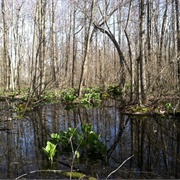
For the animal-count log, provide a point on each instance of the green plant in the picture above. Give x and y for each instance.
(91, 99)
(168, 106)
(114, 91)
(49, 97)
(68, 96)
(139, 109)
(127, 88)
(50, 150)
(82, 143)
(66, 137)
(90, 142)
(22, 108)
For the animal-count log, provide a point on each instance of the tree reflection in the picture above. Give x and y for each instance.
(153, 140)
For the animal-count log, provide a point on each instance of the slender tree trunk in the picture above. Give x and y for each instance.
(33, 71)
(42, 44)
(178, 40)
(68, 50)
(54, 44)
(162, 40)
(130, 52)
(149, 5)
(74, 48)
(5, 46)
(13, 46)
(18, 46)
(123, 62)
(142, 97)
(86, 51)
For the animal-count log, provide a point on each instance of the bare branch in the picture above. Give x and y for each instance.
(119, 166)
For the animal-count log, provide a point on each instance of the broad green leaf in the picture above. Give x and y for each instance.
(77, 154)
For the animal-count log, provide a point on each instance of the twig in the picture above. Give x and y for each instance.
(73, 152)
(119, 166)
(19, 177)
(35, 171)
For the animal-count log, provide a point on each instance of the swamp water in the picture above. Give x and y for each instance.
(153, 140)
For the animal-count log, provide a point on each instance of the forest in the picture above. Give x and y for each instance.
(91, 43)
(91, 79)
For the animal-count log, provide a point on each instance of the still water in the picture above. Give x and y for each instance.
(153, 140)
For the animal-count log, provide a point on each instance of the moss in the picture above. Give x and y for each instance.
(77, 175)
(139, 109)
(92, 178)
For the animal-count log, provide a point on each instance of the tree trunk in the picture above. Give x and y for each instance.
(38, 55)
(162, 40)
(178, 40)
(86, 51)
(123, 62)
(74, 49)
(54, 44)
(141, 93)
(5, 46)
(149, 6)
(130, 53)
(42, 45)
(68, 51)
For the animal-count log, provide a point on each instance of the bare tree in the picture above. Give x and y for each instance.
(130, 51)
(107, 30)
(161, 45)
(54, 53)
(39, 41)
(178, 38)
(95, 42)
(74, 47)
(149, 33)
(86, 49)
(140, 63)
(6, 48)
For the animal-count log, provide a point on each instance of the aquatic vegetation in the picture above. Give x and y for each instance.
(114, 91)
(46, 174)
(139, 109)
(69, 96)
(83, 143)
(77, 175)
(22, 108)
(127, 88)
(14, 95)
(49, 97)
(50, 150)
(90, 142)
(91, 99)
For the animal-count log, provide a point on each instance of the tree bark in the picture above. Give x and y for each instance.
(54, 44)
(5, 46)
(86, 51)
(74, 49)
(123, 62)
(162, 40)
(130, 52)
(38, 54)
(141, 80)
(178, 39)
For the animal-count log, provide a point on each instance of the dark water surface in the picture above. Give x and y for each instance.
(153, 140)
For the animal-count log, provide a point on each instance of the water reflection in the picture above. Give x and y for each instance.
(153, 140)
